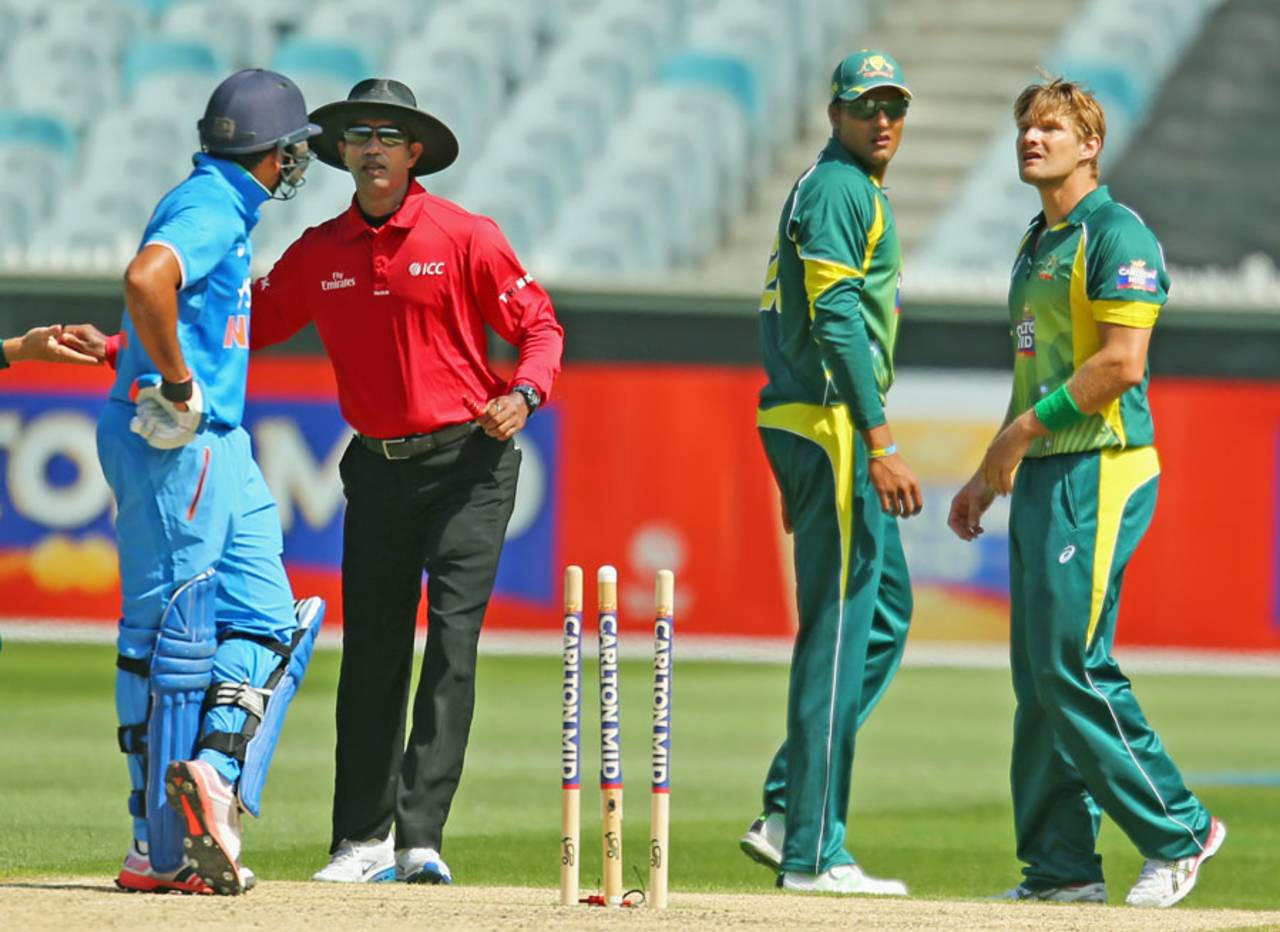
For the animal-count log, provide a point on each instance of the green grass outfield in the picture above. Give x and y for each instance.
(930, 802)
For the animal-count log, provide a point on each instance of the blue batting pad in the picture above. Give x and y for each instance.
(284, 685)
(181, 670)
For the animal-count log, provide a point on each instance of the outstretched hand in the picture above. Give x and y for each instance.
(45, 343)
(85, 340)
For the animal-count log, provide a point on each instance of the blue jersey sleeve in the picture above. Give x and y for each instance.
(200, 235)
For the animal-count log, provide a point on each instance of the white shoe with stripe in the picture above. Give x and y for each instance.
(1163, 883)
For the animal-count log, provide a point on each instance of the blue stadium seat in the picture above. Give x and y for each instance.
(37, 153)
(75, 81)
(148, 59)
(604, 232)
(375, 31)
(325, 70)
(737, 81)
(506, 29)
(107, 26)
(534, 185)
(723, 71)
(751, 32)
(582, 59)
(718, 130)
(153, 9)
(225, 27)
(38, 130)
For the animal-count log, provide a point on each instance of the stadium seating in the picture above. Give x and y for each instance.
(228, 29)
(1145, 37)
(1212, 129)
(169, 61)
(655, 120)
(324, 69)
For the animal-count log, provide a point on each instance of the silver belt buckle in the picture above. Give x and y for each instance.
(386, 450)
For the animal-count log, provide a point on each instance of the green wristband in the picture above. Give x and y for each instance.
(1058, 410)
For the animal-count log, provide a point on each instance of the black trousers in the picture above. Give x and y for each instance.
(445, 512)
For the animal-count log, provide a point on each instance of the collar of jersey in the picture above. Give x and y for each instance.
(251, 193)
(1080, 213)
(835, 150)
(406, 215)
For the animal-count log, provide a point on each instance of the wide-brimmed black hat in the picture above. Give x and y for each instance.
(384, 99)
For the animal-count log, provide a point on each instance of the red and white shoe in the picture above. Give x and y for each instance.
(137, 876)
(211, 818)
(1163, 883)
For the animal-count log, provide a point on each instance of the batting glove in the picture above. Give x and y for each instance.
(159, 422)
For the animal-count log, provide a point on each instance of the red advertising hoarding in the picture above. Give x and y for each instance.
(648, 467)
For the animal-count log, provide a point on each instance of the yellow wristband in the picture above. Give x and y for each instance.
(882, 452)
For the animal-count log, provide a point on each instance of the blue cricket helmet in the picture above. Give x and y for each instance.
(252, 111)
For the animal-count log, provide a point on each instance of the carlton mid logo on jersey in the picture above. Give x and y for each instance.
(1136, 277)
(1024, 334)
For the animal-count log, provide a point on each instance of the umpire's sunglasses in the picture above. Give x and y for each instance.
(865, 108)
(360, 135)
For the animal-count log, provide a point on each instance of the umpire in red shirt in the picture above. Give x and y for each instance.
(401, 286)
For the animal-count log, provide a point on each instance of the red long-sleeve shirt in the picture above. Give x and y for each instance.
(401, 310)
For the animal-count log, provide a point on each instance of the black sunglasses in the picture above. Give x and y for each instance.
(865, 108)
(387, 135)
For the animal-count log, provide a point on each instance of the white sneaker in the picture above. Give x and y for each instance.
(1067, 893)
(1163, 883)
(844, 878)
(422, 865)
(211, 818)
(370, 861)
(763, 841)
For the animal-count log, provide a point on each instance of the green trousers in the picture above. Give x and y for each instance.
(854, 604)
(1081, 745)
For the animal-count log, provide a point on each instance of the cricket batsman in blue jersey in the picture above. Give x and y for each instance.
(211, 643)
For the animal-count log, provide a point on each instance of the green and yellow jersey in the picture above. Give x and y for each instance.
(829, 312)
(1100, 265)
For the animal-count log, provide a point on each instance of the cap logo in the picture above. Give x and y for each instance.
(876, 67)
(223, 128)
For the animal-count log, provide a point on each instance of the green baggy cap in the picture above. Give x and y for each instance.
(864, 70)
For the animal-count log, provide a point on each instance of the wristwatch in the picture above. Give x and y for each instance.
(530, 395)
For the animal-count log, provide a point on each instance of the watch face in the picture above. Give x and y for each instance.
(530, 395)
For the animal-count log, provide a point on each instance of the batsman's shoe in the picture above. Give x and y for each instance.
(1163, 883)
(843, 878)
(1067, 893)
(138, 876)
(211, 823)
(422, 865)
(763, 841)
(370, 861)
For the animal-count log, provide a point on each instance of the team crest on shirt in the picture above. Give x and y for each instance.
(1024, 333)
(1136, 277)
(1048, 269)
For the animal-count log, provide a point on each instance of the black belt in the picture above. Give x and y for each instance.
(403, 448)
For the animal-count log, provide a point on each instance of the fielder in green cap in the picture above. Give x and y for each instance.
(1087, 286)
(828, 325)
